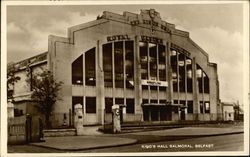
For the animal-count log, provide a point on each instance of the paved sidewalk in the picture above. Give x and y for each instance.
(83, 142)
(70, 143)
(193, 131)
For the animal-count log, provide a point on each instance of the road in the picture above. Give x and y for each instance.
(213, 143)
(232, 142)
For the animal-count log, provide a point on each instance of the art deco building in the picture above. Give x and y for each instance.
(154, 71)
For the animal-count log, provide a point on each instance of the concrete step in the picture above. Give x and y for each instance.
(59, 132)
(92, 130)
(146, 128)
(88, 130)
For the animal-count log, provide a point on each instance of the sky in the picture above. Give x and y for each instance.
(216, 28)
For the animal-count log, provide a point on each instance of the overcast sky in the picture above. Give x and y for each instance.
(217, 28)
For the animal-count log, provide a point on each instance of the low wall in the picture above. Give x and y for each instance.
(59, 132)
(17, 130)
(24, 129)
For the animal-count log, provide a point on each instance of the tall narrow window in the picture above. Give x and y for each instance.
(207, 107)
(118, 52)
(90, 67)
(206, 83)
(190, 107)
(129, 63)
(199, 77)
(130, 106)
(189, 74)
(174, 69)
(90, 105)
(181, 64)
(108, 105)
(107, 64)
(201, 107)
(77, 71)
(153, 61)
(162, 63)
(144, 60)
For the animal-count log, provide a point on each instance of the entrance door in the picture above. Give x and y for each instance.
(145, 113)
(155, 113)
(182, 113)
(165, 113)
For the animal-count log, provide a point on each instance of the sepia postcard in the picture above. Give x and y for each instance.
(124, 78)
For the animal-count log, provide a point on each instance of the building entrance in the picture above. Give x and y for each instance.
(157, 113)
(182, 113)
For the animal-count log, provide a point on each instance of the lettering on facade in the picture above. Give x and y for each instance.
(117, 38)
(151, 23)
(151, 39)
(154, 83)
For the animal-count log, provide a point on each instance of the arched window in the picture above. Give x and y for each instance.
(90, 67)
(77, 71)
(206, 83)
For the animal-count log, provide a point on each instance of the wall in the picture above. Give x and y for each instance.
(63, 51)
(228, 112)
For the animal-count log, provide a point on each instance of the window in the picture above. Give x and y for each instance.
(90, 67)
(189, 74)
(130, 106)
(77, 71)
(190, 107)
(173, 59)
(201, 107)
(144, 60)
(153, 87)
(107, 64)
(162, 62)
(118, 52)
(199, 77)
(183, 103)
(153, 101)
(90, 105)
(119, 101)
(153, 61)
(203, 80)
(144, 101)
(129, 63)
(163, 101)
(206, 83)
(108, 105)
(181, 64)
(76, 100)
(18, 112)
(207, 107)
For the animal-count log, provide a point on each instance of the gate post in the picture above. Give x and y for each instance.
(28, 128)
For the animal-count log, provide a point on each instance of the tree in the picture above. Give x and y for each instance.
(44, 92)
(11, 79)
